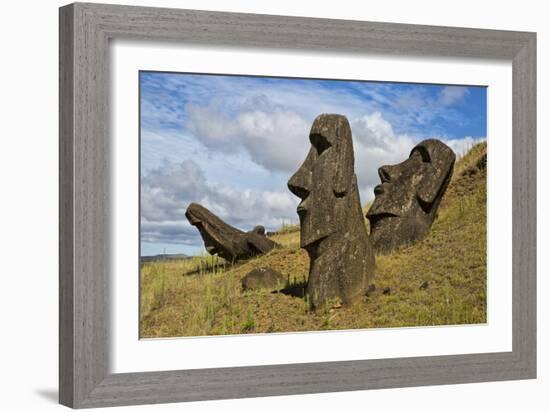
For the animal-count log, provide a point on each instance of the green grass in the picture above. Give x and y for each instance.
(203, 296)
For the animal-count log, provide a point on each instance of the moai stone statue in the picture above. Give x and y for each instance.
(225, 240)
(406, 201)
(332, 227)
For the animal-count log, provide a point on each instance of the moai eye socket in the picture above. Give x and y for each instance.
(421, 150)
(320, 142)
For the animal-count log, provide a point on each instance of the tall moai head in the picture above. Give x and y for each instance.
(332, 228)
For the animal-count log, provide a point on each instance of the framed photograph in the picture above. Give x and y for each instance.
(255, 205)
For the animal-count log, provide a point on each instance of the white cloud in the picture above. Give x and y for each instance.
(452, 94)
(273, 139)
(461, 146)
(373, 130)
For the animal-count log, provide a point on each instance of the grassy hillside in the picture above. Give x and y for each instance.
(438, 281)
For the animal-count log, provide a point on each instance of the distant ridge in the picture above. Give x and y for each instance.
(163, 257)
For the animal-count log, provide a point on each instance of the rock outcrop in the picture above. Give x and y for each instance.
(263, 278)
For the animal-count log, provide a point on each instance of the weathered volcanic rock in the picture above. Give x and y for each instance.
(263, 278)
(406, 201)
(332, 228)
(225, 240)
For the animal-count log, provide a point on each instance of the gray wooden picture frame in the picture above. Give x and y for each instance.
(85, 31)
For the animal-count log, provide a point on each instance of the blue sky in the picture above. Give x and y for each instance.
(231, 142)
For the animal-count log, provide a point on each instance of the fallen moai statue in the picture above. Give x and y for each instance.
(225, 240)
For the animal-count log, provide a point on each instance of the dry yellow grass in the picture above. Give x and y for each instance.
(438, 281)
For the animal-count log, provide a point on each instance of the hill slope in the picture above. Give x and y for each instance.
(438, 281)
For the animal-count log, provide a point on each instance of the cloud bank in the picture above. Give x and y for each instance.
(168, 190)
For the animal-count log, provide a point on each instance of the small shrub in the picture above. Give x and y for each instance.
(249, 323)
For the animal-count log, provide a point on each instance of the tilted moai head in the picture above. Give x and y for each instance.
(406, 201)
(332, 227)
(225, 240)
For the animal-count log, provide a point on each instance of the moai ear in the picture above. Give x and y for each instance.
(436, 177)
(343, 176)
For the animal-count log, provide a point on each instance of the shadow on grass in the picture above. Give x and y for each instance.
(296, 289)
(210, 269)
